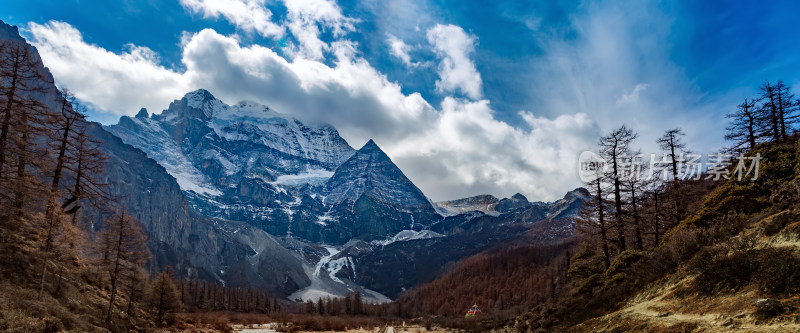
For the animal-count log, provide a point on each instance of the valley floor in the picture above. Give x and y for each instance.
(268, 328)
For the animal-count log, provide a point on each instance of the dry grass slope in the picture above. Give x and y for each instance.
(675, 305)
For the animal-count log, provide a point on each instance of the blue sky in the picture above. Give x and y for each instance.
(467, 97)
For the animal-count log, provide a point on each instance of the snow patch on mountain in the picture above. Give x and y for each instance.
(332, 251)
(334, 266)
(313, 176)
(230, 167)
(481, 203)
(407, 235)
(256, 123)
(158, 145)
(329, 285)
(325, 219)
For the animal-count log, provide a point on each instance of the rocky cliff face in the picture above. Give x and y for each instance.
(196, 246)
(231, 253)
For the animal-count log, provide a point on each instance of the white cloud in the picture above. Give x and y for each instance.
(399, 49)
(304, 19)
(249, 15)
(456, 71)
(457, 151)
(121, 82)
(466, 150)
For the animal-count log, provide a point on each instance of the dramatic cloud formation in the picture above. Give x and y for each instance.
(614, 67)
(248, 15)
(456, 71)
(304, 17)
(458, 150)
(109, 81)
(514, 91)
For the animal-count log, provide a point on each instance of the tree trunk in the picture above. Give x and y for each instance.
(603, 229)
(656, 226)
(116, 269)
(636, 220)
(618, 205)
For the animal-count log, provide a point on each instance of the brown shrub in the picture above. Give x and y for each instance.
(775, 271)
(786, 195)
(681, 246)
(682, 327)
(778, 272)
(722, 272)
(780, 221)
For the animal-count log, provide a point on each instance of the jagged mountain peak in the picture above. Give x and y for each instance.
(210, 146)
(516, 201)
(519, 196)
(142, 113)
(199, 104)
(10, 32)
(578, 193)
(198, 97)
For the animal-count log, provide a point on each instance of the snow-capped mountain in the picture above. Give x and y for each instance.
(246, 162)
(247, 197)
(208, 145)
(375, 175)
(371, 197)
(340, 209)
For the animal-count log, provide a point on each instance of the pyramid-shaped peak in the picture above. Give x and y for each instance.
(371, 171)
(370, 146)
(371, 151)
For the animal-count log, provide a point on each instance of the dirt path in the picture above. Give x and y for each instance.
(658, 310)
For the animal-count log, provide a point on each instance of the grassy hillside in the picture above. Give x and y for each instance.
(732, 264)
